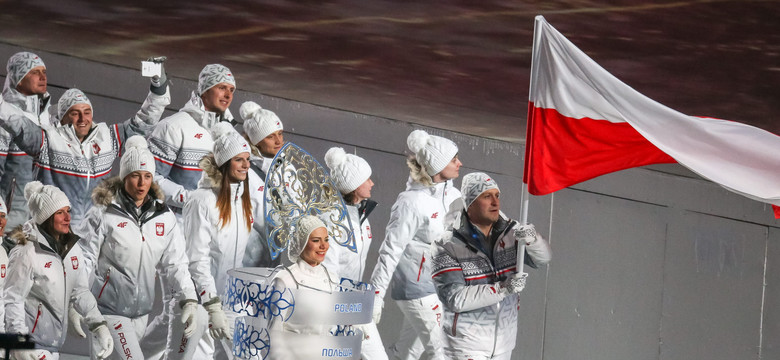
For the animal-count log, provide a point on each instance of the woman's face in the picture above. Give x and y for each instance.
(271, 144)
(316, 247)
(451, 171)
(3, 221)
(61, 222)
(363, 191)
(239, 166)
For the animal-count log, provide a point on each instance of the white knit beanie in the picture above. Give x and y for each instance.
(213, 74)
(19, 65)
(259, 122)
(44, 200)
(227, 142)
(3, 209)
(304, 227)
(70, 98)
(347, 171)
(136, 157)
(432, 152)
(474, 184)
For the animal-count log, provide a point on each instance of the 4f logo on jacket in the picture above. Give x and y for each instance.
(74, 260)
(198, 136)
(47, 265)
(160, 229)
(435, 215)
(122, 224)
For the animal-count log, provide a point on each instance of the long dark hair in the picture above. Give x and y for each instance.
(224, 201)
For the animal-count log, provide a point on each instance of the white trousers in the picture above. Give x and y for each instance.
(164, 336)
(421, 336)
(372, 348)
(126, 333)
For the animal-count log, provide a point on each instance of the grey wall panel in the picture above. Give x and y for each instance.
(770, 335)
(605, 280)
(713, 288)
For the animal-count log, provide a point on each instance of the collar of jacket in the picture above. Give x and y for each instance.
(111, 193)
(204, 118)
(468, 233)
(365, 208)
(33, 104)
(29, 231)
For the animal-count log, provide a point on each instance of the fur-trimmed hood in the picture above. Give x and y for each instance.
(18, 236)
(105, 192)
(29, 231)
(212, 177)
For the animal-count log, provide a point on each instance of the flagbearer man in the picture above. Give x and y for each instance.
(476, 277)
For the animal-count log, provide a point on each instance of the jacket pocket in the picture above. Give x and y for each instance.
(455, 323)
(37, 317)
(108, 276)
(421, 267)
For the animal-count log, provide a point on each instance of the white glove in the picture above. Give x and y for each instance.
(25, 354)
(188, 317)
(525, 234)
(75, 321)
(104, 340)
(514, 284)
(218, 327)
(379, 303)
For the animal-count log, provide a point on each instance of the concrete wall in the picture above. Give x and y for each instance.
(649, 263)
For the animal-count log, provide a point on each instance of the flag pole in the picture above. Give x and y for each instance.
(525, 194)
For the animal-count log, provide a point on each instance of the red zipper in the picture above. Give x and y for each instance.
(36, 318)
(420, 271)
(455, 323)
(108, 275)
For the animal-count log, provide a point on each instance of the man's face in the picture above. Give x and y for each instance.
(218, 98)
(271, 144)
(80, 115)
(137, 185)
(34, 83)
(485, 208)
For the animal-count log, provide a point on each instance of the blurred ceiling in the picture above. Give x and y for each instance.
(456, 65)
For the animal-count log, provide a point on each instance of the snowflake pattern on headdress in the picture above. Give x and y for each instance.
(298, 185)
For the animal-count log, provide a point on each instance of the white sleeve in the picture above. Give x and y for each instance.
(92, 237)
(199, 233)
(175, 263)
(404, 223)
(84, 302)
(17, 286)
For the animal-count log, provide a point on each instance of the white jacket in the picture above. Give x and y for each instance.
(129, 249)
(41, 285)
(417, 219)
(3, 273)
(344, 262)
(15, 164)
(480, 319)
(297, 276)
(77, 167)
(213, 249)
(178, 143)
(257, 253)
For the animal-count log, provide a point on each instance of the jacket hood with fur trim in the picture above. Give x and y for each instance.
(212, 177)
(105, 192)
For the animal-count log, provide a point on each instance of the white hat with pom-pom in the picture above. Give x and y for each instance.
(44, 200)
(259, 122)
(136, 157)
(431, 151)
(227, 142)
(347, 171)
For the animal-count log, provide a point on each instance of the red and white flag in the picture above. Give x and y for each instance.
(583, 122)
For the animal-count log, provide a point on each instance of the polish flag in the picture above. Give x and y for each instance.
(583, 122)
